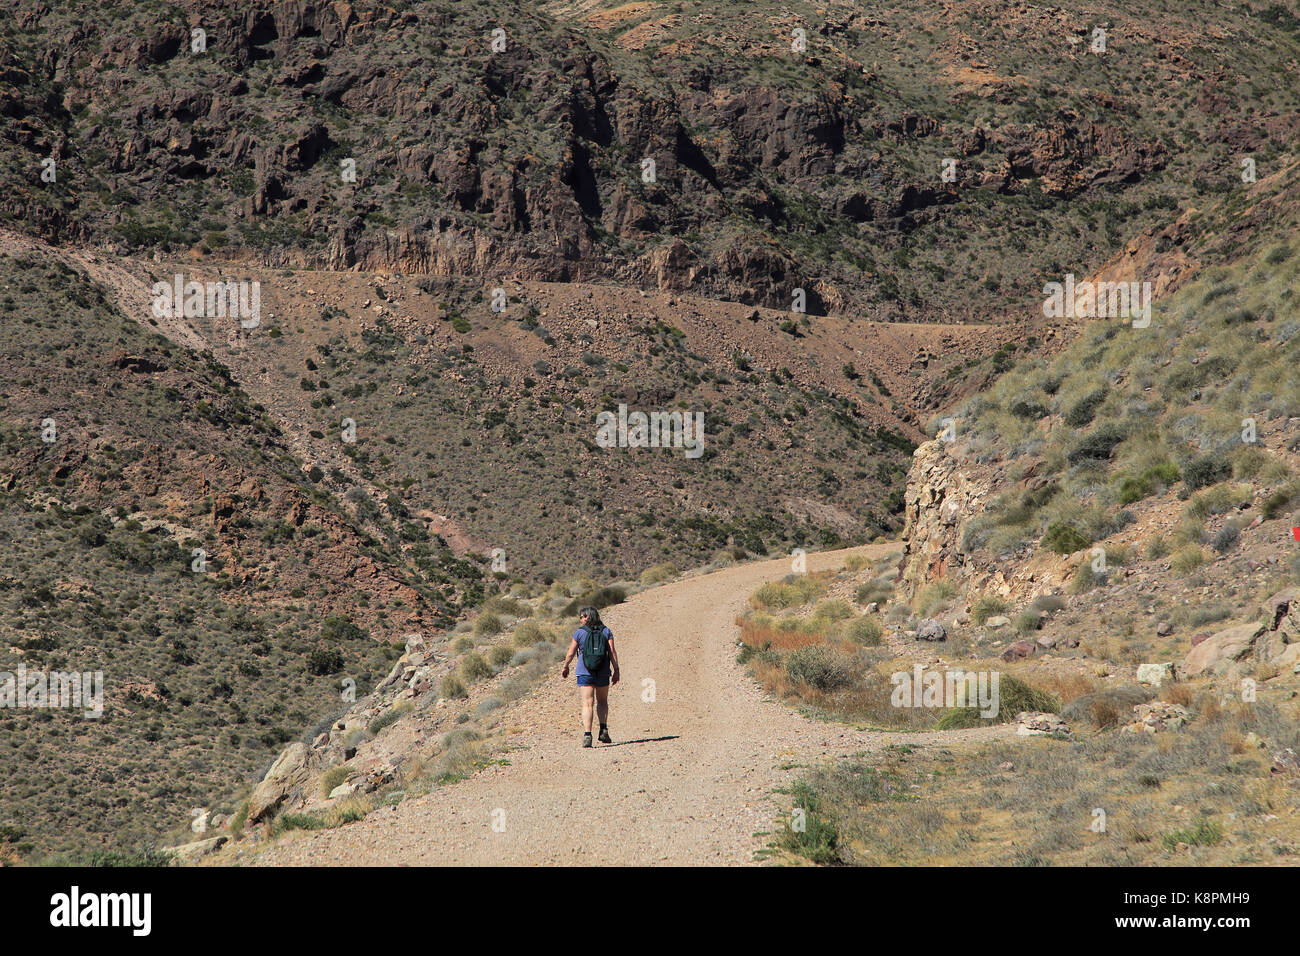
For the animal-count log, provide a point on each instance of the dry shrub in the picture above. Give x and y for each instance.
(1177, 693)
(761, 633)
(794, 591)
(1104, 713)
(1209, 709)
(1066, 687)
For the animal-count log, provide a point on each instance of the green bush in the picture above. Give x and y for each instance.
(1085, 579)
(1279, 501)
(867, 631)
(873, 592)
(324, 660)
(794, 591)
(1085, 409)
(500, 656)
(1158, 548)
(473, 666)
(1064, 539)
(1027, 622)
(818, 667)
(500, 604)
(451, 686)
(600, 598)
(487, 625)
(529, 633)
(1028, 410)
(1014, 696)
(1132, 489)
(659, 574)
(1205, 833)
(332, 777)
(833, 610)
(1187, 559)
(388, 717)
(934, 597)
(1205, 471)
(817, 838)
(1098, 446)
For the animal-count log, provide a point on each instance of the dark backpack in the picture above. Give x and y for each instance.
(595, 649)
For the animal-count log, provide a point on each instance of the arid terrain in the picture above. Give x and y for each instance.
(349, 350)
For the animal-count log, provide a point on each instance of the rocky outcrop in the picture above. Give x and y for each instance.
(940, 498)
(1280, 642)
(1275, 641)
(286, 777)
(192, 852)
(292, 782)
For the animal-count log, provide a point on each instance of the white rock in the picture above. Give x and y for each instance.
(1155, 673)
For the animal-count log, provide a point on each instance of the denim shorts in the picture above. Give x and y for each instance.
(598, 679)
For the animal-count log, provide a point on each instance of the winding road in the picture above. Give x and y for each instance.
(688, 780)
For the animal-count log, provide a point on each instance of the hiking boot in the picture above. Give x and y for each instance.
(586, 739)
(604, 736)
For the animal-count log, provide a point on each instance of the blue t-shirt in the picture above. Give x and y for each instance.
(578, 635)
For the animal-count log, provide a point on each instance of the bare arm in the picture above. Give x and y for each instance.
(613, 656)
(568, 658)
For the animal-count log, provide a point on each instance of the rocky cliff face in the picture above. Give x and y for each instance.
(946, 489)
(937, 504)
(772, 171)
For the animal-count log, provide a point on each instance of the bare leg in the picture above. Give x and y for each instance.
(588, 695)
(602, 706)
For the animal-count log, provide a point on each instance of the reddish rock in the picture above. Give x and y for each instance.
(1017, 650)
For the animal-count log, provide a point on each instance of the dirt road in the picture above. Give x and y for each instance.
(688, 780)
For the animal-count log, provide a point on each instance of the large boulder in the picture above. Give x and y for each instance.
(288, 774)
(1218, 653)
(931, 630)
(190, 852)
(1155, 673)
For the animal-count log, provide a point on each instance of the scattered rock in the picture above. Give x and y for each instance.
(997, 621)
(1164, 628)
(1157, 715)
(1036, 724)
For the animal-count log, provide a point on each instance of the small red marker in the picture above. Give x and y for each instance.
(1295, 533)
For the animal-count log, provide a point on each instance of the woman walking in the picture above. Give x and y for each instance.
(593, 645)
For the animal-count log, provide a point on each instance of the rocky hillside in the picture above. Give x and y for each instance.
(1143, 478)
(931, 161)
(159, 529)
